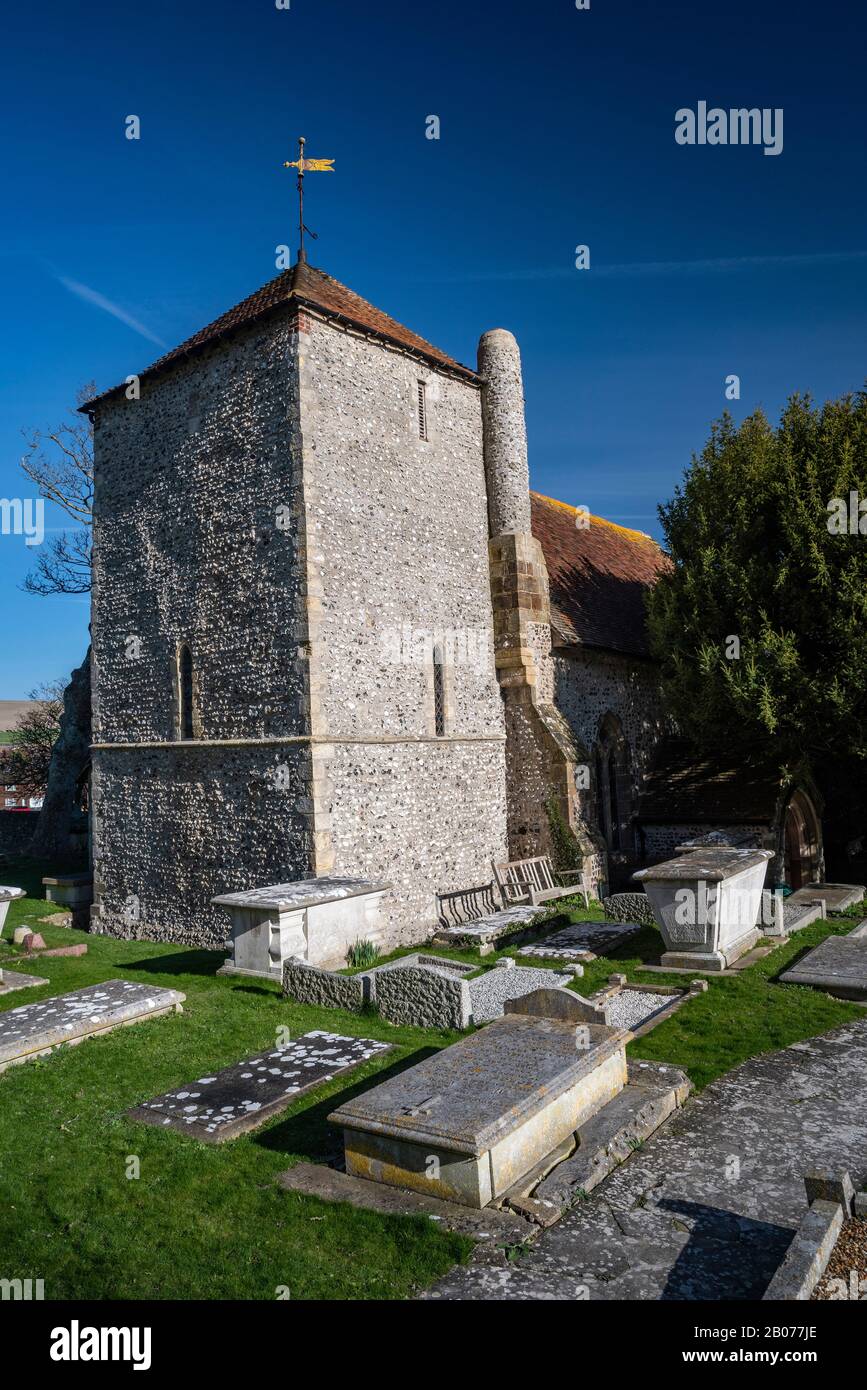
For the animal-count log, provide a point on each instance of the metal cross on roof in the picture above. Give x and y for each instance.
(304, 166)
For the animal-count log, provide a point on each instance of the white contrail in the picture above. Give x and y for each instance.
(94, 297)
(660, 268)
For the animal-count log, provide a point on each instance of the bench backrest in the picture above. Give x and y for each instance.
(463, 905)
(519, 877)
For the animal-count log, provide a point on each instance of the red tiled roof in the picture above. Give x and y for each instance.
(599, 576)
(305, 286)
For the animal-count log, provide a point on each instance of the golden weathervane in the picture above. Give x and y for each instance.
(305, 166)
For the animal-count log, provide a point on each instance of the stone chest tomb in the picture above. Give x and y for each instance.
(469, 1122)
(316, 920)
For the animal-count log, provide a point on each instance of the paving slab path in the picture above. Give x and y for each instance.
(708, 1207)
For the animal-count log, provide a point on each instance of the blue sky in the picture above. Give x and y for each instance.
(557, 129)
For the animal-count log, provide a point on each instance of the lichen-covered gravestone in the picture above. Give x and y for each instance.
(32, 1030)
(469, 1122)
(222, 1105)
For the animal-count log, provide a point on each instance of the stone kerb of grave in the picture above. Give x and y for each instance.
(421, 990)
(556, 1002)
(838, 966)
(471, 1121)
(706, 904)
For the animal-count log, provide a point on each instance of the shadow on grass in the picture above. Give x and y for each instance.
(647, 946)
(309, 1135)
(186, 963)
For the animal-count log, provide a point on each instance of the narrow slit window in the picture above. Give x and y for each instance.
(439, 694)
(612, 801)
(422, 410)
(186, 693)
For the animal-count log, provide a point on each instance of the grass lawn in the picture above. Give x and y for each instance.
(208, 1221)
(202, 1221)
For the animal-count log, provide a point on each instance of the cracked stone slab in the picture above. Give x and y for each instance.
(491, 927)
(836, 896)
(708, 1207)
(837, 965)
(480, 1224)
(32, 1030)
(598, 937)
(222, 1105)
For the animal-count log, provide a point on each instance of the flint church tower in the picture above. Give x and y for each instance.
(293, 632)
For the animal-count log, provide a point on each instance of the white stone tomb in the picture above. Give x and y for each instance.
(706, 904)
(314, 919)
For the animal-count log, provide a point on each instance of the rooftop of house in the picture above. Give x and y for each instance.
(306, 287)
(599, 574)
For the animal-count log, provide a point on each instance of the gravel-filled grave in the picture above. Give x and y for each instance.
(629, 1008)
(490, 991)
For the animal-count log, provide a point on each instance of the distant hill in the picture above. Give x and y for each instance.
(10, 712)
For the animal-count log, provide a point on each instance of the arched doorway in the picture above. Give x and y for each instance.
(800, 842)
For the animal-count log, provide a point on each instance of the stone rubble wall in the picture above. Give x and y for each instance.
(661, 841)
(177, 825)
(591, 684)
(17, 829)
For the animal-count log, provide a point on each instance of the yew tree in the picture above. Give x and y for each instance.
(761, 623)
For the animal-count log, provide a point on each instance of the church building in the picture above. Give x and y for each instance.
(334, 632)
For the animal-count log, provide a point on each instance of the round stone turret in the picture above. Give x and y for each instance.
(504, 433)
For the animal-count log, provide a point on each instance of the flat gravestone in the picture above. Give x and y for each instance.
(222, 1106)
(492, 927)
(15, 979)
(470, 1121)
(837, 965)
(32, 1030)
(598, 937)
(836, 896)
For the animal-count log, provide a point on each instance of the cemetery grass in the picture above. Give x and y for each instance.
(201, 1221)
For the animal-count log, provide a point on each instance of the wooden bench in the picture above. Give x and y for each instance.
(535, 881)
(464, 905)
(476, 916)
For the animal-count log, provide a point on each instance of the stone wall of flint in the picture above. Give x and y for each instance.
(270, 504)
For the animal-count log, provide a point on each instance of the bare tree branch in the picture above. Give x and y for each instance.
(60, 464)
(27, 758)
